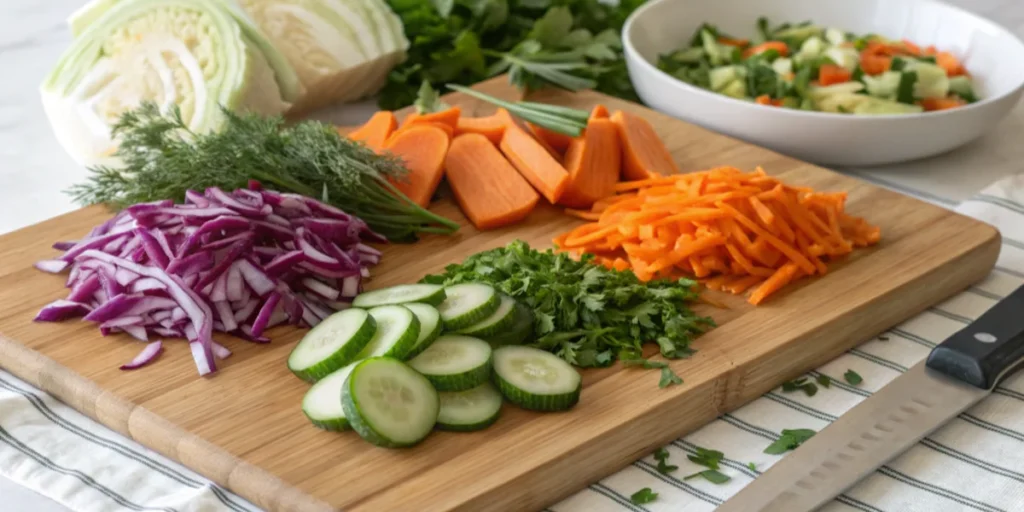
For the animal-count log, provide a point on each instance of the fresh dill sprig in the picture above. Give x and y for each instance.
(160, 158)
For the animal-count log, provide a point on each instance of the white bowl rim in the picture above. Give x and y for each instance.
(627, 44)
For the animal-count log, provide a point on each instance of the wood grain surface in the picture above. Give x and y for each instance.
(244, 429)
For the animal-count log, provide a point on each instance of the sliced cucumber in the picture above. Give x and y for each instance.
(432, 294)
(536, 379)
(499, 321)
(322, 403)
(430, 327)
(455, 363)
(467, 304)
(389, 404)
(472, 409)
(333, 343)
(397, 332)
(518, 332)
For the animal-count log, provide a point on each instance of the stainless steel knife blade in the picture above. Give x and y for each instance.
(958, 373)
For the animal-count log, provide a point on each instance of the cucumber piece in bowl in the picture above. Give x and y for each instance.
(333, 343)
(535, 379)
(322, 403)
(469, 410)
(432, 294)
(397, 332)
(430, 327)
(467, 304)
(388, 403)
(455, 363)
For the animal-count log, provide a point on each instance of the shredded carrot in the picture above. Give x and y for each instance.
(739, 43)
(737, 231)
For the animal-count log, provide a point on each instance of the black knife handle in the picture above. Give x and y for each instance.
(988, 349)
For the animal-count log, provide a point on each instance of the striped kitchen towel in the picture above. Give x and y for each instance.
(976, 462)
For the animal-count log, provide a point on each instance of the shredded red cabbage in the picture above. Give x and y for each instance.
(238, 263)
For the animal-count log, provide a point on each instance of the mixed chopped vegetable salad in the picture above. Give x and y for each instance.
(811, 67)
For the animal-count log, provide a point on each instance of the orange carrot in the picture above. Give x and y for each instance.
(932, 104)
(440, 126)
(740, 43)
(950, 63)
(593, 161)
(739, 230)
(644, 153)
(423, 147)
(376, 130)
(487, 187)
(599, 112)
(449, 116)
(535, 163)
(492, 126)
(780, 278)
(831, 74)
(557, 141)
(763, 99)
(778, 46)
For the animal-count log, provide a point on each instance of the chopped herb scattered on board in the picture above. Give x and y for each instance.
(801, 384)
(585, 313)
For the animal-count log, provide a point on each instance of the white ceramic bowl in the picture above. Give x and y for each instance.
(993, 56)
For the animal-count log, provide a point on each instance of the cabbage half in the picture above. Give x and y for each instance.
(342, 50)
(196, 54)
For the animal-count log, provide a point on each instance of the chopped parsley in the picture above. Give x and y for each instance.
(585, 313)
(668, 377)
(801, 384)
(853, 377)
(710, 459)
(661, 455)
(824, 381)
(645, 495)
(789, 440)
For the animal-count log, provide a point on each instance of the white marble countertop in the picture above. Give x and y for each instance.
(34, 170)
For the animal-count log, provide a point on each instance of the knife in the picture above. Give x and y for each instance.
(958, 373)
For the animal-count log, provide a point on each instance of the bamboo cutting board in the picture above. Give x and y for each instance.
(244, 429)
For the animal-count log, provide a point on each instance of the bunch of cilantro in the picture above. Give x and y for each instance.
(572, 44)
(585, 313)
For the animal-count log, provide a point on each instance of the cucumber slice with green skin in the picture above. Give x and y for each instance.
(498, 322)
(388, 403)
(536, 379)
(467, 304)
(432, 294)
(518, 332)
(397, 332)
(430, 327)
(469, 410)
(322, 403)
(455, 363)
(332, 344)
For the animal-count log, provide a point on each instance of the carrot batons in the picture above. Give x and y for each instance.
(593, 161)
(423, 148)
(599, 112)
(738, 230)
(376, 130)
(559, 142)
(449, 116)
(644, 153)
(487, 187)
(492, 126)
(535, 163)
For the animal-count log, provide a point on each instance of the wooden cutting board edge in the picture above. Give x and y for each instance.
(554, 479)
